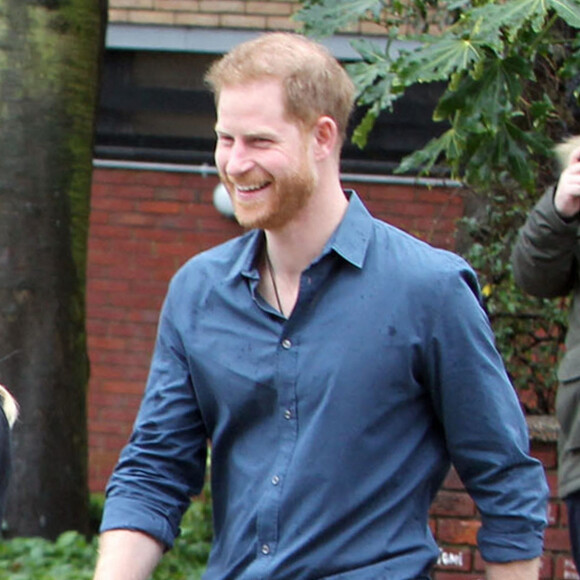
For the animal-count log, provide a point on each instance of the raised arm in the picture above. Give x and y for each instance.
(544, 256)
(567, 198)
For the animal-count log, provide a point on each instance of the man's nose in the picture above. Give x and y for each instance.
(239, 160)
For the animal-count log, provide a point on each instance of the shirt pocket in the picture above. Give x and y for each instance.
(568, 400)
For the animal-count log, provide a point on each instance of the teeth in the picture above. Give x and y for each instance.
(249, 188)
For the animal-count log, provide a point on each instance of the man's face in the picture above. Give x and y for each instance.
(263, 158)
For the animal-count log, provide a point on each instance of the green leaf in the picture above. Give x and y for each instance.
(510, 16)
(439, 60)
(361, 133)
(489, 96)
(449, 145)
(323, 18)
(568, 10)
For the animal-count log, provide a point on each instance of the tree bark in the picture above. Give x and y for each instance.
(50, 52)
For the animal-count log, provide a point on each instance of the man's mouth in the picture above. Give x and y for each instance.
(251, 188)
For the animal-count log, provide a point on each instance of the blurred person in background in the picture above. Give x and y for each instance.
(546, 263)
(8, 415)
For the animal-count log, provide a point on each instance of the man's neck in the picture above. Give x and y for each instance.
(293, 248)
(290, 250)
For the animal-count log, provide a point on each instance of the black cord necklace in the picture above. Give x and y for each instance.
(274, 285)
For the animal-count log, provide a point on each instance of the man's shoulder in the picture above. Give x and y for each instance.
(413, 253)
(217, 262)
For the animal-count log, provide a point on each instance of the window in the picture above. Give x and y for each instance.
(154, 107)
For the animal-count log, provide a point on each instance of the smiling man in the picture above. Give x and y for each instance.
(337, 366)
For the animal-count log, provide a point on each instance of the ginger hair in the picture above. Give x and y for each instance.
(314, 82)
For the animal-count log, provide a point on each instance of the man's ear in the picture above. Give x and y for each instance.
(326, 138)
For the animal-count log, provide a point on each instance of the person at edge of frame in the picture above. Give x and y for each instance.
(8, 416)
(337, 365)
(545, 264)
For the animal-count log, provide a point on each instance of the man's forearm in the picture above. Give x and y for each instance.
(127, 555)
(521, 570)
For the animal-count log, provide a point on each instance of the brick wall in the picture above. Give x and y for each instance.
(249, 14)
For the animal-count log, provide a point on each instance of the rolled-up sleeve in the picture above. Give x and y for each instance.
(163, 465)
(484, 426)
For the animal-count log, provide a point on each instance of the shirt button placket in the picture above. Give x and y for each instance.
(268, 531)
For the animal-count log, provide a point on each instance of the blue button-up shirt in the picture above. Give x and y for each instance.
(332, 430)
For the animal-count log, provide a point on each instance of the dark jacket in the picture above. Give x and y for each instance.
(545, 260)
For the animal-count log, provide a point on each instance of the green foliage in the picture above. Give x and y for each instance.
(529, 331)
(506, 66)
(512, 75)
(69, 557)
(72, 556)
(187, 559)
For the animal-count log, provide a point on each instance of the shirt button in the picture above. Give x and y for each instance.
(276, 480)
(265, 549)
(288, 414)
(286, 343)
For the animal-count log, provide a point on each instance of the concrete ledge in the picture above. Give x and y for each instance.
(543, 428)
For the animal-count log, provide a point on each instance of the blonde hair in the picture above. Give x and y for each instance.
(563, 151)
(314, 82)
(9, 406)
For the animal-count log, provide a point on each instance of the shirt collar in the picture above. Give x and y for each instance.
(350, 240)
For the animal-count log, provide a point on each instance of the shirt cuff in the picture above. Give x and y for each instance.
(501, 548)
(122, 513)
(558, 222)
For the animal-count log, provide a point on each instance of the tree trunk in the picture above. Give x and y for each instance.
(50, 53)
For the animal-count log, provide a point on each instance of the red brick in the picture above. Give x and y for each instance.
(439, 196)
(565, 569)
(160, 207)
(546, 453)
(553, 513)
(557, 539)
(452, 481)
(136, 192)
(563, 513)
(546, 567)
(106, 342)
(125, 386)
(125, 219)
(117, 176)
(106, 231)
(109, 286)
(458, 531)
(455, 503)
(99, 217)
(552, 479)
(112, 204)
(158, 178)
